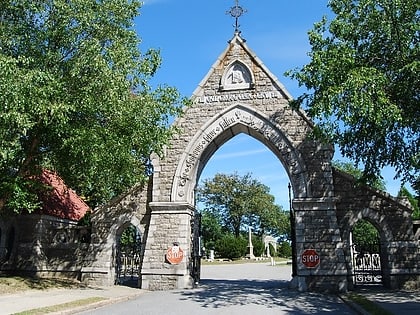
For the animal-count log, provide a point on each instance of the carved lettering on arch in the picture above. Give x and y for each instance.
(223, 123)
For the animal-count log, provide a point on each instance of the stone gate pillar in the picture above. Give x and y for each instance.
(170, 223)
(317, 229)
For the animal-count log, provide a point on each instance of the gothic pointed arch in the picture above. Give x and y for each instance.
(236, 119)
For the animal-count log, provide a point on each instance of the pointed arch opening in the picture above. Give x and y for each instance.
(128, 255)
(245, 155)
(233, 121)
(365, 240)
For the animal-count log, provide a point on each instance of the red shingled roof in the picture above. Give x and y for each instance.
(61, 201)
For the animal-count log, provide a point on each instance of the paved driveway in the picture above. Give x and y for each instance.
(255, 288)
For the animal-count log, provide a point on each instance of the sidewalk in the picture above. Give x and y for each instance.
(32, 299)
(396, 302)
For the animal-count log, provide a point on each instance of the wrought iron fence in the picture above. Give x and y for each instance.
(366, 267)
(3, 254)
(128, 268)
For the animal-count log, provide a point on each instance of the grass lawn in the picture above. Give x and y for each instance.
(15, 284)
(369, 306)
(61, 307)
(221, 261)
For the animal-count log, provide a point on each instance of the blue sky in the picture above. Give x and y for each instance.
(191, 34)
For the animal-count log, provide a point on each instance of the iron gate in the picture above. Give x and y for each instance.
(128, 262)
(196, 247)
(366, 264)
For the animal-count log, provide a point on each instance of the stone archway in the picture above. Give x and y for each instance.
(108, 222)
(399, 249)
(256, 104)
(240, 95)
(221, 128)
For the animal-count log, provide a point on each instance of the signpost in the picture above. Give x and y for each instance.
(310, 258)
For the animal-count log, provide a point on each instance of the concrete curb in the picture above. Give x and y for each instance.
(95, 305)
(355, 307)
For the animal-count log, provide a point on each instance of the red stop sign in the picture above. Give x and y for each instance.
(310, 258)
(174, 255)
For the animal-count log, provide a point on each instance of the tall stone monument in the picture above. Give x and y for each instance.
(250, 254)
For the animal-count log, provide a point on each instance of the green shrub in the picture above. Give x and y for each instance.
(231, 247)
(273, 252)
(258, 246)
(284, 249)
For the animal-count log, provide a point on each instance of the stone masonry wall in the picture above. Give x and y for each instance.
(400, 253)
(317, 228)
(130, 208)
(170, 224)
(45, 246)
(266, 97)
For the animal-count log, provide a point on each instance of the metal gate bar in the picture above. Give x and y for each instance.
(366, 267)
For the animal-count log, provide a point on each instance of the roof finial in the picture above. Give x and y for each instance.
(236, 12)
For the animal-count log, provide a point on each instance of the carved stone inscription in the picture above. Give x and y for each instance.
(237, 76)
(208, 99)
(236, 116)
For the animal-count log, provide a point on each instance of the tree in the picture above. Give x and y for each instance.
(349, 168)
(241, 201)
(413, 201)
(363, 83)
(130, 240)
(231, 247)
(75, 99)
(366, 237)
(211, 229)
(285, 249)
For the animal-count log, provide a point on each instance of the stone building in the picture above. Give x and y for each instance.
(48, 242)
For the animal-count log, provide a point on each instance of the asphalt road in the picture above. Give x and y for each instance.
(254, 288)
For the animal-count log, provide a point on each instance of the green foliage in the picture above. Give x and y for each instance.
(241, 201)
(284, 249)
(130, 241)
(75, 98)
(364, 83)
(349, 168)
(365, 237)
(258, 245)
(413, 201)
(232, 205)
(231, 247)
(273, 252)
(86, 220)
(211, 229)
(21, 192)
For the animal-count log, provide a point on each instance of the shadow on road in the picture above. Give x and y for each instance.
(272, 294)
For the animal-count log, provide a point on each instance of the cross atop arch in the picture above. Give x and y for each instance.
(236, 12)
